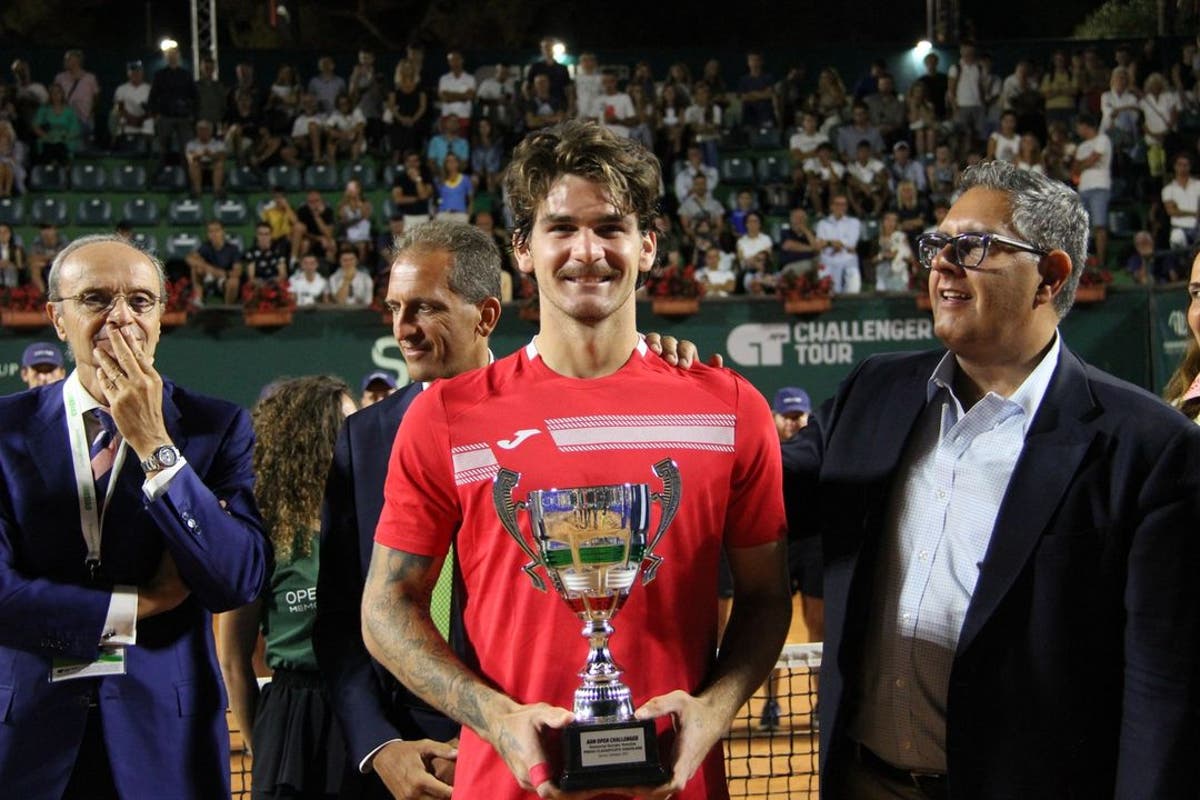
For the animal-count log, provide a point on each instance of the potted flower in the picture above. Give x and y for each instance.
(674, 291)
(177, 304)
(23, 308)
(529, 309)
(267, 305)
(805, 293)
(1093, 285)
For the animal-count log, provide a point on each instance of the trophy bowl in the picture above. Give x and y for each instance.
(591, 543)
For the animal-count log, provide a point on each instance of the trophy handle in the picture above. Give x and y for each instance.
(668, 498)
(506, 509)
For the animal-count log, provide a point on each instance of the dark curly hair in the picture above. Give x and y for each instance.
(629, 171)
(296, 425)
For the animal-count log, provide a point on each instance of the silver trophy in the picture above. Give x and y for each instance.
(591, 542)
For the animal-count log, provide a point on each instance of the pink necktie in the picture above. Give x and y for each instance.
(103, 451)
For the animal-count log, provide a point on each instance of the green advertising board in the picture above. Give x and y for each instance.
(1136, 334)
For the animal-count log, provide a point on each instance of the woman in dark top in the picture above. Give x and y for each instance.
(406, 111)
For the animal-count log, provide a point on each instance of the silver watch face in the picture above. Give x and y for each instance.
(166, 455)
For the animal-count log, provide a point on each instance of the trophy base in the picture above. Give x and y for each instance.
(601, 756)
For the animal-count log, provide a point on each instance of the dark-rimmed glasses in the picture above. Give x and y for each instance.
(99, 302)
(967, 250)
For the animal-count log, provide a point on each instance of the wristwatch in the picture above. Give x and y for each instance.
(164, 456)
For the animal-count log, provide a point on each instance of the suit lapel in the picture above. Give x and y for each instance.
(48, 427)
(371, 465)
(1055, 446)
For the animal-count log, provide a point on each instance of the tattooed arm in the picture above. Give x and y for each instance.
(400, 634)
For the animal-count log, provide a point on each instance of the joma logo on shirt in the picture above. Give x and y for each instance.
(520, 436)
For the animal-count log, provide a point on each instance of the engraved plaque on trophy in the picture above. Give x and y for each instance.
(592, 544)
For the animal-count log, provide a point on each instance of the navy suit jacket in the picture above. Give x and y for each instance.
(372, 706)
(1075, 674)
(164, 720)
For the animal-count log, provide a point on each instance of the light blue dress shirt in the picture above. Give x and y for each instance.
(943, 508)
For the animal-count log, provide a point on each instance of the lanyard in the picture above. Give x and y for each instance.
(91, 520)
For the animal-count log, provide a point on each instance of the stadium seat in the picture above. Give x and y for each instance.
(171, 178)
(180, 244)
(774, 169)
(231, 212)
(185, 211)
(140, 211)
(870, 230)
(284, 176)
(236, 240)
(48, 209)
(132, 145)
(363, 173)
(88, 178)
(736, 170)
(321, 177)
(94, 211)
(775, 226)
(764, 139)
(47, 178)
(389, 175)
(244, 178)
(12, 212)
(146, 242)
(129, 178)
(1120, 222)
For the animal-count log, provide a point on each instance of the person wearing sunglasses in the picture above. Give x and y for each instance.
(1011, 603)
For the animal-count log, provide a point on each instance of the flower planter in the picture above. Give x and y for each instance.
(1092, 293)
(807, 305)
(24, 320)
(173, 319)
(923, 302)
(529, 313)
(675, 306)
(270, 318)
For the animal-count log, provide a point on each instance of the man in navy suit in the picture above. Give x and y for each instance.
(1011, 540)
(126, 519)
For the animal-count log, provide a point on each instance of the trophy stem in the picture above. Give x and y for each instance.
(602, 697)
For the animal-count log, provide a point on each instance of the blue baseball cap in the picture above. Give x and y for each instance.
(41, 354)
(381, 376)
(791, 399)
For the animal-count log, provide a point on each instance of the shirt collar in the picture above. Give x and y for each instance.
(73, 388)
(1029, 394)
(531, 351)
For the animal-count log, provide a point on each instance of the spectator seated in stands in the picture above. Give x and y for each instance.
(903, 167)
(912, 210)
(216, 267)
(718, 279)
(1147, 265)
(130, 118)
(412, 188)
(1029, 157)
(757, 92)
(12, 258)
(744, 205)
(797, 244)
(942, 175)
(823, 177)
(1003, 144)
(206, 160)
(693, 166)
(859, 129)
(922, 119)
(1181, 201)
(886, 111)
(286, 230)
(307, 284)
(308, 129)
(317, 231)
(350, 285)
(542, 108)
(497, 95)
(326, 85)
(613, 108)
(866, 182)
(754, 241)
(1120, 112)
(703, 120)
(58, 135)
(487, 156)
(895, 265)
(448, 140)
(838, 235)
(699, 203)
(345, 131)
(42, 251)
(13, 157)
(265, 261)
(354, 213)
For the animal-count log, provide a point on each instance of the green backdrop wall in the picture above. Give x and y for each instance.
(1136, 334)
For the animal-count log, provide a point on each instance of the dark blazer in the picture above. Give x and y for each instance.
(1076, 670)
(164, 720)
(371, 705)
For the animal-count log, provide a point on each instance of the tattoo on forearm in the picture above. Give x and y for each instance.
(410, 646)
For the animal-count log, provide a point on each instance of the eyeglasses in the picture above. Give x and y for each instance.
(100, 302)
(968, 249)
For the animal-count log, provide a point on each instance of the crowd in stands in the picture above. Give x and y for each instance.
(796, 174)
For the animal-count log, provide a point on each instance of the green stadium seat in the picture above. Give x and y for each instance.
(870, 230)
(774, 169)
(88, 178)
(286, 177)
(363, 173)
(94, 211)
(321, 177)
(129, 178)
(389, 175)
(1121, 222)
(231, 212)
(47, 178)
(244, 178)
(146, 242)
(12, 211)
(736, 170)
(236, 240)
(185, 211)
(48, 209)
(180, 244)
(764, 139)
(140, 211)
(775, 226)
(171, 178)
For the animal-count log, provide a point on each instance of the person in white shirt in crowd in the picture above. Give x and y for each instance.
(1120, 110)
(1093, 163)
(964, 96)
(308, 129)
(130, 113)
(823, 177)
(1181, 201)
(804, 142)
(325, 86)
(904, 168)
(307, 284)
(350, 285)
(345, 130)
(206, 155)
(753, 241)
(692, 167)
(894, 260)
(1160, 117)
(1029, 157)
(496, 97)
(716, 276)
(1005, 143)
(838, 235)
(589, 84)
(456, 90)
(866, 182)
(699, 203)
(613, 108)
